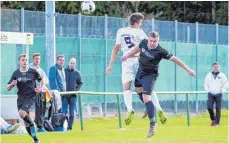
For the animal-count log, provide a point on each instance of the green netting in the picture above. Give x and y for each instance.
(206, 56)
(93, 65)
(186, 52)
(8, 64)
(223, 60)
(166, 81)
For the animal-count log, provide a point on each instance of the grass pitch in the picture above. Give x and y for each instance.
(99, 130)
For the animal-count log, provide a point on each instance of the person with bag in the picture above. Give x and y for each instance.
(57, 82)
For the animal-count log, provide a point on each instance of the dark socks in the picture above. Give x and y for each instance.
(28, 120)
(29, 131)
(140, 96)
(150, 108)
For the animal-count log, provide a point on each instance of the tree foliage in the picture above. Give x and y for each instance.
(210, 12)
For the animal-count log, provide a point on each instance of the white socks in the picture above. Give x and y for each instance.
(128, 99)
(155, 101)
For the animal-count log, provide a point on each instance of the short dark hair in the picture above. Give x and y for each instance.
(135, 18)
(154, 34)
(215, 63)
(36, 54)
(59, 56)
(22, 55)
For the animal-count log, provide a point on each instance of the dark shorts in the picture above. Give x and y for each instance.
(146, 81)
(217, 99)
(25, 104)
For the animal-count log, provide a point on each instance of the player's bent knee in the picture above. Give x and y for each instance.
(146, 98)
(22, 113)
(138, 89)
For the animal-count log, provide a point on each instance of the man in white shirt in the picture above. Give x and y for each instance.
(40, 105)
(215, 84)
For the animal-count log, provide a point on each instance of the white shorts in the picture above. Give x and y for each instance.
(129, 70)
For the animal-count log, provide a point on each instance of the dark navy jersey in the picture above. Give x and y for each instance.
(150, 58)
(26, 82)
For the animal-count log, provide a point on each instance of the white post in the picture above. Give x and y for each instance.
(197, 42)
(175, 68)
(217, 39)
(50, 34)
(105, 65)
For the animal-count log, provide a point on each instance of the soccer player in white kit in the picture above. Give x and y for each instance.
(127, 39)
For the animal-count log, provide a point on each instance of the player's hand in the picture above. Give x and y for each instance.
(37, 90)
(191, 72)
(14, 82)
(123, 58)
(108, 70)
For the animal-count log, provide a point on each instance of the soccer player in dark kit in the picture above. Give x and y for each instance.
(151, 54)
(25, 78)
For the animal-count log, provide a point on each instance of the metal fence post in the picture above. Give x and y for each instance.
(80, 112)
(23, 25)
(61, 31)
(80, 44)
(188, 34)
(197, 41)
(188, 111)
(175, 69)
(217, 39)
(153, 29)
(153, 24)
(105, 65)
(119, 112)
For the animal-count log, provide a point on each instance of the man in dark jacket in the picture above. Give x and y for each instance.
(73, 83)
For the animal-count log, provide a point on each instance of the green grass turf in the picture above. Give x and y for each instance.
(99, 130)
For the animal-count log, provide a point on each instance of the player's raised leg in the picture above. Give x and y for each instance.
(128, 102)
(29, 124)
(160, 112)
(151, 110)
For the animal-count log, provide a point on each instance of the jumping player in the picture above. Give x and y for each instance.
(127, 39)
(151, 54)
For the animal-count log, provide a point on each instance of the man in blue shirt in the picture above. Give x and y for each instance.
(57, 75)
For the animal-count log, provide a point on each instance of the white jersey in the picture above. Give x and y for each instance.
(129, 38)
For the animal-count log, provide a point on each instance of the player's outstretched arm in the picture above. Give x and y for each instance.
(183, 65)
(113, 57)
(131, 54)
